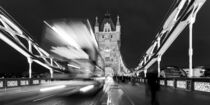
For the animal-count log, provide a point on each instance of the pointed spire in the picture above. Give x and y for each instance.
(96, 27)
(96, 23)
(118, 27)
(118, 20)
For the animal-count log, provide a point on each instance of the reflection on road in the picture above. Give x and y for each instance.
(115, 95)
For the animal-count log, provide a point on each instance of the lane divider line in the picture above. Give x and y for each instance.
(123, 89)
(39, 99)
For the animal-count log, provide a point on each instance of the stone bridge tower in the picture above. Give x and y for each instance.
(108, 37)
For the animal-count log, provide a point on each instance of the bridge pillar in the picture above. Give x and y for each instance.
(159, 57)
(30, 60)
(51, 73)
(158, 61)
(191, 22)
(30, 67)
(51, 70)
(145, 72)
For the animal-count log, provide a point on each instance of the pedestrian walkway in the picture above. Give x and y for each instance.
(130, 93)
(166, 96)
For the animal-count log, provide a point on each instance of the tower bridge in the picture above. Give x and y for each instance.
(108, 37)
(103, 89)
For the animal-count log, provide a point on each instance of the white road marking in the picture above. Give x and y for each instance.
(39, 99)
(130, 100)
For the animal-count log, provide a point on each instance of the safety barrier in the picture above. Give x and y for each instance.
(18, 82)
(189, 84)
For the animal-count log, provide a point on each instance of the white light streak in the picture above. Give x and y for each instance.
(99, 78)
(73, 66)
(52, 88)
(87, 88)
(70, 53)
(63, 35)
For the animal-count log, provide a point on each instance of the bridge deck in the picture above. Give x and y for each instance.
(118, 94)
(166, 96)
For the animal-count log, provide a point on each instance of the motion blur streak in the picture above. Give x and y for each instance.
(52, 88)
(86, 88)
(73, 66)
(63, 35)
(99, 78)
(92, 34)
(74, 40)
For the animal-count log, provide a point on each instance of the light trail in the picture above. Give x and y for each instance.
(52, 88)
(87, 88)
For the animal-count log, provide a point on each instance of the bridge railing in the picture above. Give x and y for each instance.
(20, 82)
(188, 84)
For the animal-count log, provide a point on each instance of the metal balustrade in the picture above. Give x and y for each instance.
(20, 82)
(188, 84)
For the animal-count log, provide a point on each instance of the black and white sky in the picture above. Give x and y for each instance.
(140, 21)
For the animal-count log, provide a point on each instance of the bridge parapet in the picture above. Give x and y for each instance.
(20, 82)
(200, 85)
(189, 84)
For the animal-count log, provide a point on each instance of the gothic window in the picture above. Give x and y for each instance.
(107, 27)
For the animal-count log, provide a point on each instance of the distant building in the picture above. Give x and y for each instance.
(197, 71)
(172, 71)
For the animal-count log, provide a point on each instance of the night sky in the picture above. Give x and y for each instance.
(140, 20)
